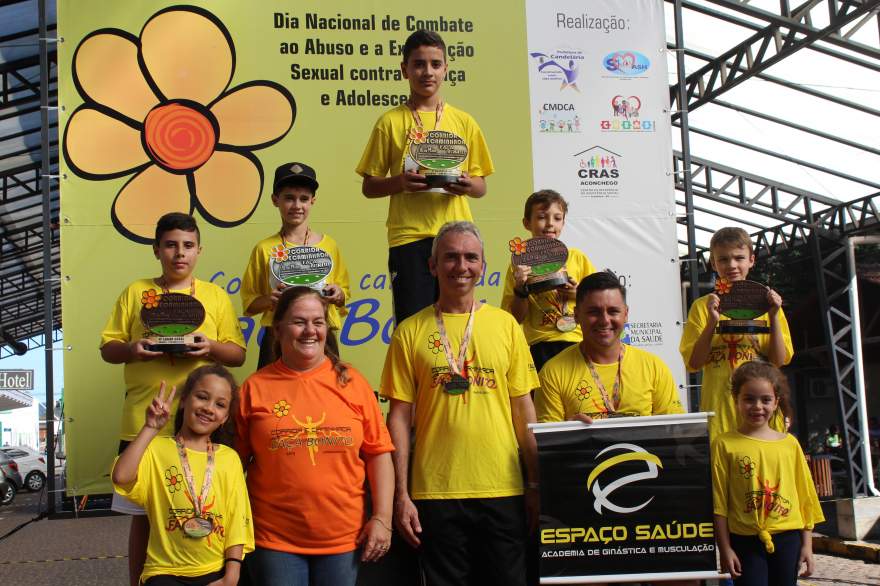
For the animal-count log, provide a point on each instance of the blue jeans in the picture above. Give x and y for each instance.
(279, 568)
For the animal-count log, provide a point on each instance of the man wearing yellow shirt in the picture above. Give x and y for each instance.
(603, 377)
(460, 373)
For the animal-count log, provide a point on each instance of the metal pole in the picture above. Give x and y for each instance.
(692, 268)
(859, 371)
(48, 317)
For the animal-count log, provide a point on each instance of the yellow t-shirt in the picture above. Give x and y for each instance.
(142, 378)
(728, 352)
(546, 308)
(763, 485)
(258, 280)
(465, 446)
(161, 490)
(414, 216)
(568, 387)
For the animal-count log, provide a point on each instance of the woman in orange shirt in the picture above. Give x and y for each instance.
(308, 431)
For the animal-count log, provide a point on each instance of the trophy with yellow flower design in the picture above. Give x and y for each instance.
(436, 154)
(742, 302)
(170, 320)
(305, 266)
(546, 257)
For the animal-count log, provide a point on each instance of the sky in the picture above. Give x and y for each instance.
(35, 360)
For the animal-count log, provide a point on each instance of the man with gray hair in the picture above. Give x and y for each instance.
(463, 371)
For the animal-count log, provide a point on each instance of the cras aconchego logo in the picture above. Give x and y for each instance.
(631, 453)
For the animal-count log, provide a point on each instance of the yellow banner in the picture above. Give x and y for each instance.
(256, 84)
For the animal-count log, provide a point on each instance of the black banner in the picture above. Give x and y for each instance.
(626, 496)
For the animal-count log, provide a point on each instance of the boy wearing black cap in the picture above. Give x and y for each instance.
(293, 193)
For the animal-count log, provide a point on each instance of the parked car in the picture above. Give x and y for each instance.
(10, 469)
(31, 465)
(7, 484)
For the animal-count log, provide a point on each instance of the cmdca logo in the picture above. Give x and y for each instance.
(632, 453)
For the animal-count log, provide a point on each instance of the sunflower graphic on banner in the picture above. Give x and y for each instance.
(167, 118)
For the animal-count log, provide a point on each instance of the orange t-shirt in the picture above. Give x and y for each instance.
(306, 434)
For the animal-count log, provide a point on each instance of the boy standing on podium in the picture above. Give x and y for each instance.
(421, 203)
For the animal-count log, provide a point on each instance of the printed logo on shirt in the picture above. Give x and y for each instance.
(746, 467)
(479, 378)
(181, 512)
(589, 401)
(310, 434)
(173, 479)
(435, 345)
(737, 348)
(630, 453)
(768, 500)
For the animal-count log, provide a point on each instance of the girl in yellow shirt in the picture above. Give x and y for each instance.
(191, 486)
(765, 500)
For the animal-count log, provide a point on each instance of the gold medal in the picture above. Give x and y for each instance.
(566, 323)
(198, 527)
(458, 383)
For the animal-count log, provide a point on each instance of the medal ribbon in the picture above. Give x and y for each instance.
(560, 306)
(455, 366)
(438, 114)
(557, 300)
(164, 286)
(188, 475)
(612, 404)
(305, 240)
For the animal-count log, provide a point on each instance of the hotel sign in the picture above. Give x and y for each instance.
(16, 380)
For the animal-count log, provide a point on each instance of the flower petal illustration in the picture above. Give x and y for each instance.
(158, 107)
(188, 54)
(145, 198)
(99, 146)
(126, 90)
(254, 115)
(228, 187)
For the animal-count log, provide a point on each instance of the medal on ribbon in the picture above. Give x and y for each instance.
(199, 525)
(457, 384)
(612, 402)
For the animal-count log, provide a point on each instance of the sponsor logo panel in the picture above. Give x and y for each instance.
(561, 66)
(626, 63)
(558, 118)
(626, 116)
(599, 172)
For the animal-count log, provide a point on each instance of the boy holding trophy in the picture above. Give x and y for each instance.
(162, 329)
(740, 322)
(544, 307)
(294, 255)
(428, 156)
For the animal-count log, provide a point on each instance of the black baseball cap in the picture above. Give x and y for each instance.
(296, 174)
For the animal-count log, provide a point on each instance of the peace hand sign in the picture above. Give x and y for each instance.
(159, 411)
